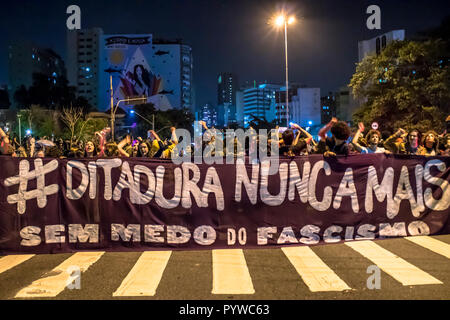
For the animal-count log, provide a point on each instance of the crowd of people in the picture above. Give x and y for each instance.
(293, 141)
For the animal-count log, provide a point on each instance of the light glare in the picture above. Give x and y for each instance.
(279, 21)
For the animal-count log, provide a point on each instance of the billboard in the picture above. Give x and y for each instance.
(134, 64)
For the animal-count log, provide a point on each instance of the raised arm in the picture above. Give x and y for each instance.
(327, 128)
(203, 123)
(308, 135)
(102, 140)
(121, 144)
(5, 141)
(390, 143)
(357, 135)
(154, 134)
(174, 136)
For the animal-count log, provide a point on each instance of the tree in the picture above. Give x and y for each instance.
(179, 118)
(405, 86)
(71, 116)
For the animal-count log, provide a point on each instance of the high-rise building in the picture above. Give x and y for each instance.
(209, 114)
(328, 108)
(305, 107)
(139, 65)
(227, 85)
(173, 61)
(25, 59)
(280, 98)
(377, 44)
(260, 102)
(83, 62)
(240, 108)
(346, 104)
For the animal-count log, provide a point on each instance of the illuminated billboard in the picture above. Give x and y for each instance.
(136, 68)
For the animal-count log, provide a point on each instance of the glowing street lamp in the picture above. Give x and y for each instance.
(279, 21)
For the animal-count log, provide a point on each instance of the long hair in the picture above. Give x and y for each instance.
(94, 153)
(436, 139)
(139, 154)
(145, 75)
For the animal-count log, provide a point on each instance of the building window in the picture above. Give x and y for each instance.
(383, 42)
(378, 46)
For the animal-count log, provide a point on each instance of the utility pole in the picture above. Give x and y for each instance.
(112, 108)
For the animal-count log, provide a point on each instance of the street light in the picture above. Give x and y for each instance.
(20, 129)
(151, 122)
(113, 111)
(279, 21)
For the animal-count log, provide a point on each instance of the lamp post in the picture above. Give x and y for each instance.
(20, 129)
(151, 122)
(281, 20)
(113, 110)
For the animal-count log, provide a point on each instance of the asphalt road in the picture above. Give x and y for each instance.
(189, 275)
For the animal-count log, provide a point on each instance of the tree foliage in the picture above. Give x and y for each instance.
(163, 119)
(407, 85)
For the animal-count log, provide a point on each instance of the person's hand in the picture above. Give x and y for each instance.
(32, 141)
(400, 132)
(202, 123)
(172, 129)
(329, 154)
(334, 120)
(361, 127)
(128, 139)
(295, 126)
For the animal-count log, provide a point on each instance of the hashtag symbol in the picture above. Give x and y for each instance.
(40, 193)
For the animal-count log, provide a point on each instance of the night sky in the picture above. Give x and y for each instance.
(230, 35)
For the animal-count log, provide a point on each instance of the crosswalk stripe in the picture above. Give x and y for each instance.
(432, 244)
(11, 261)
(230, 272)
(56, 280)
(314, 272)
(144, 277)
(401, 270)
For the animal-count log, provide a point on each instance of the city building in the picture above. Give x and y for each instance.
(346, 104)
(227, 85)
(208, 114)
(377, 44)
(137, 64)
(174, 62)
(83, 63)
(25, 59)
(328, 108)
(259, 102)
(305, 107)
(240, 108)
(280, 98)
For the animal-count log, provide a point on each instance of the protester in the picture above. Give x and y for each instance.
(396, 143)
(294, 141)
(373, 137)
(337, 144)
(430, 143)
(90, 150)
